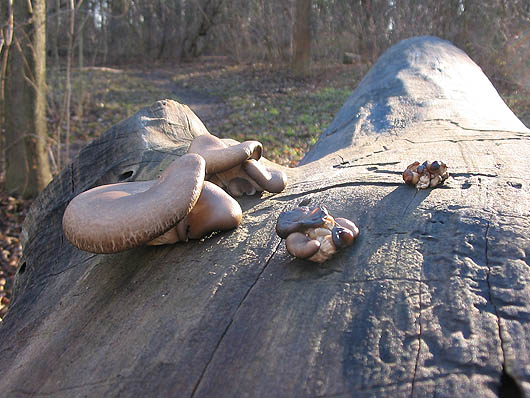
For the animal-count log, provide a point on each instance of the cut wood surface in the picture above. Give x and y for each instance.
(433, 299)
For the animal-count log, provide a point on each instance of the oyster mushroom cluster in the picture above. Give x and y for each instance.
(313, 234)
(425, 175)
(187, 201)
(237, 167)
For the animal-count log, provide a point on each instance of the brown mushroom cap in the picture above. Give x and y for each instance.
(269, 179)
(427, 174)
(300, 219)
(250, 176)
(219, 156)
(301, 246)
(117, 217)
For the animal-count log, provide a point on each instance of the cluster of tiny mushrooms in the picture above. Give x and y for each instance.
(191, 200)
(425, 175)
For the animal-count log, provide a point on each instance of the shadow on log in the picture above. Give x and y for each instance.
(432, 299)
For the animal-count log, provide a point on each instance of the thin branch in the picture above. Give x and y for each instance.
(30, 7)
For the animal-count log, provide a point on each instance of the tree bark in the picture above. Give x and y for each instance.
(27, 164)
(200, 16)
(431, 300)
(302, 38)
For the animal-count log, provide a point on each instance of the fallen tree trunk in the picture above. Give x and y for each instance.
(432, 299)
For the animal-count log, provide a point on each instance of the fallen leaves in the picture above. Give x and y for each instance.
(12, 214)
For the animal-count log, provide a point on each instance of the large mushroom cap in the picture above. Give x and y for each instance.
(219, 156)
(117, 217)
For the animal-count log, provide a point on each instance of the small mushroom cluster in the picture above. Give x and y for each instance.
(426, 175)
(187, 201)
(237, 167)
(313, 234)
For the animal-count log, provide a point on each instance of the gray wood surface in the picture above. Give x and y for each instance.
(432, 300)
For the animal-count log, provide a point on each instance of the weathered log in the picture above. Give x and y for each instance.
(432, 299)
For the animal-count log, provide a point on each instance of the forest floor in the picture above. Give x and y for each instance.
(241, 101)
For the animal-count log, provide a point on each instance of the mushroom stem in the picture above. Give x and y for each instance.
(214, 211)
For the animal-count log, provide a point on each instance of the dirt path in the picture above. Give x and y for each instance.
(210, 109)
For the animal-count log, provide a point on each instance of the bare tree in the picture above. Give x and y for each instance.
(6, 37)
(27, 164)
(302, 38)
(200, 17)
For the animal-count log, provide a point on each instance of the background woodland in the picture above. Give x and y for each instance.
(45, 41)
(279, 69)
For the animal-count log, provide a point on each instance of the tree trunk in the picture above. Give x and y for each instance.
(27, 164)
(431, 300)
(302, 38)
(6, 38)
(200, 16)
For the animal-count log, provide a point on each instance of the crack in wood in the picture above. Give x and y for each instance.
(348, 164)
(417, 361)
(474, 175)
(410, 202)
(335, 186)
(225, 331)
(490, 295)
(469, 128)
(72, 180)
(454, 141)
